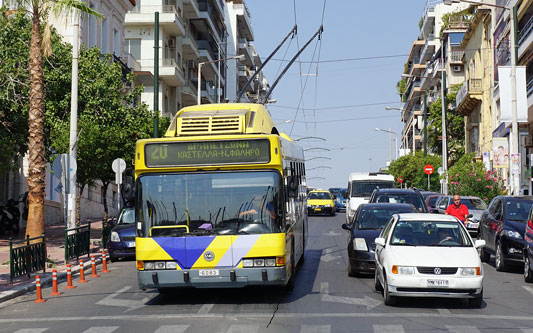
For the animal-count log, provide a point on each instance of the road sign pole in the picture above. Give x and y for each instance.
(429, 186)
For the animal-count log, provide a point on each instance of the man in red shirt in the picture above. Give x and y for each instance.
(457, 209)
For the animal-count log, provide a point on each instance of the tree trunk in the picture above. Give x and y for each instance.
(104, 189)
(37, 162)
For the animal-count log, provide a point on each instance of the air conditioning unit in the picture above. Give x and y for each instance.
(172, 42)
(457, 68)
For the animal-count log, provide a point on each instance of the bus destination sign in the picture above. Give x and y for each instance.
(207, 152)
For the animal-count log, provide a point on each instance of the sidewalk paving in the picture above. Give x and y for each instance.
(55, 252)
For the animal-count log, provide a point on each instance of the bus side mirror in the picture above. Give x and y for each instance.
(127, 189)
(292, 186)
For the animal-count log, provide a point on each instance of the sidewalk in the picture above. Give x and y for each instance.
(55, 251)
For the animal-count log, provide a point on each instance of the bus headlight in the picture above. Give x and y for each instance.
(115, 237)
(270, 262)
(171, 265)
(149, 265)
(248, 263)
(160, 265)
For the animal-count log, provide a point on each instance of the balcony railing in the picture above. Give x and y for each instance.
(469, 86)
(525, 31)
(148, 9)
(530, 86)
(170, 58)
(457, 56)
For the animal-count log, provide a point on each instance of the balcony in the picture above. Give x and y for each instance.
(190, 47)
(170, 68)
(211, 16)
(189, 92)
(244, 26)
(456, 57)
(429, 21)
(191, 9)
(469, 96)
(244, 48)
(169, 18)
(428, 50)
(208, 92)
(245, 74)
(525, 37)
(529, 86)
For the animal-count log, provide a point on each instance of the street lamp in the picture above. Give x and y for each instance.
(390, 142)
(515, 177)
(238, 57)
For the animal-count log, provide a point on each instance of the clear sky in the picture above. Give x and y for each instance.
(331, 101)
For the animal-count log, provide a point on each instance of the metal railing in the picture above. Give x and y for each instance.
(27, 258)
(77, 241)
(529, 86)
(457, 56)
(525, 31)
(469, 86)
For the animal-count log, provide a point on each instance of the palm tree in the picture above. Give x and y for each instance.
(39, 10)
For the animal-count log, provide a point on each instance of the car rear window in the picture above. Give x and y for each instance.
(413, 199)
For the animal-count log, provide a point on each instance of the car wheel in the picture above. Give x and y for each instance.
(351, 271)
(113, 259)
(377, 284)
(500, 260)
(388, 299)
(484, 255)
(528, 273)
(290, 284)
(476, 302)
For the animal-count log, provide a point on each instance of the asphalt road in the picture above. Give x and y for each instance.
(325, 299)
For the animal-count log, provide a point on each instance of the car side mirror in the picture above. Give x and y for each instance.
(380, 241)
(479, 243)
(346, 226)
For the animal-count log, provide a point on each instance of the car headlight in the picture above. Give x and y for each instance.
(470, 271)
(359, 244)
(403, 270)
(115, 237)
(512, 234)
(308, 206)
(327, 205)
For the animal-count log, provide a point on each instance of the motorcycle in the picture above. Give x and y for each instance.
(9, 217)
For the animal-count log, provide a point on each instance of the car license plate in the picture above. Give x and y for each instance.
(208, 272)
(438, 283)
(317, 209)
(471, 225)
(130, 244)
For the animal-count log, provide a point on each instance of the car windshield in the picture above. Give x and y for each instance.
(432, 201)
(474, 203)
(364, 188)
(220, 203)
(319, 195)
(413, 199)
(517, 210)
(376, 218)
(127, 216)
(429, 233)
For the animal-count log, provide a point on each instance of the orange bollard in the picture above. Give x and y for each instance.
(104, 262)
(39, 292)
(69, 278)
(93, 267)
(55, 292)
(82, 273)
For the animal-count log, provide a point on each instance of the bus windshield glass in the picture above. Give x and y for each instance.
(217, 203)
(365, 188)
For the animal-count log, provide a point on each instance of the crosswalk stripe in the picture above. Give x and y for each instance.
(463, 329)
(388, 328)
(172, 329)
(315, 329)
(101, 329)
(527, 330)
(31, 330)
(237, 328)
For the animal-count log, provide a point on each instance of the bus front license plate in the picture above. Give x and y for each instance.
(208, 272)
(438, 283)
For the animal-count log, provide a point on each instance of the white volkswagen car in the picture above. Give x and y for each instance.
(428, 255)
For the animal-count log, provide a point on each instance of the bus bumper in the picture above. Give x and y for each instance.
(228, 278)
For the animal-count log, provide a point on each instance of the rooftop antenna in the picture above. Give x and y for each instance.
(292, 33)
(318, 33)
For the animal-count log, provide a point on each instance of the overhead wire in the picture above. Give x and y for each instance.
(317, 62)
(299, 62)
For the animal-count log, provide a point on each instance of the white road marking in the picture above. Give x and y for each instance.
(172, 329)
(101, 329)
(529, 289)
(527, 330)
(31, 330)
(332, 233)
(327, 256)
(111, 300)
(315, 329)
(369, 302)
(243, 328)
(388, 328)
(205, 308)
(444, 311)
(462, 329)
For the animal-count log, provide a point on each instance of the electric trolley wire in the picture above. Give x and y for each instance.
(299, 62)
(317, 63)
(338, 107)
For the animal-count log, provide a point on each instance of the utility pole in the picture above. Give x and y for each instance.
(156, 76)
(443, 121)
(425, 124)
(515, 176)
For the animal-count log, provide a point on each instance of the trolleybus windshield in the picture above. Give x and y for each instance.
(209, 203)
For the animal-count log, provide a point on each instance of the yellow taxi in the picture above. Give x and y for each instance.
(320, 202)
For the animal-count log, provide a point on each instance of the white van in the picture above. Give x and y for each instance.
(360, 187)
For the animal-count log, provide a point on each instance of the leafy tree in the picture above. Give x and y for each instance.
(455, 127)
(400, 87)
(411, 168)
(468, 177)
(39, 11)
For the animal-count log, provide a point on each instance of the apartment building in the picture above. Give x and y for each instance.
(423, 69)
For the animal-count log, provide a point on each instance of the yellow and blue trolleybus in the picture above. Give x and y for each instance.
(220, 201)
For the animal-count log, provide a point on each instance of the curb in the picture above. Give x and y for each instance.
(45, 282)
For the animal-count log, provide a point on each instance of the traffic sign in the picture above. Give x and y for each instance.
(400, 179)
(440, 170)
(428, 169)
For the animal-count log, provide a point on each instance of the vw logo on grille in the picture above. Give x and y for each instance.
(437, 270)
(209, 256)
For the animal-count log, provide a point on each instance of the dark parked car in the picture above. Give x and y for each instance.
(476, 206)
(503, 226)
(528, 249)
(339, 195)
(121, 243)
(364, 228)
(431, 201)
(396, 195)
